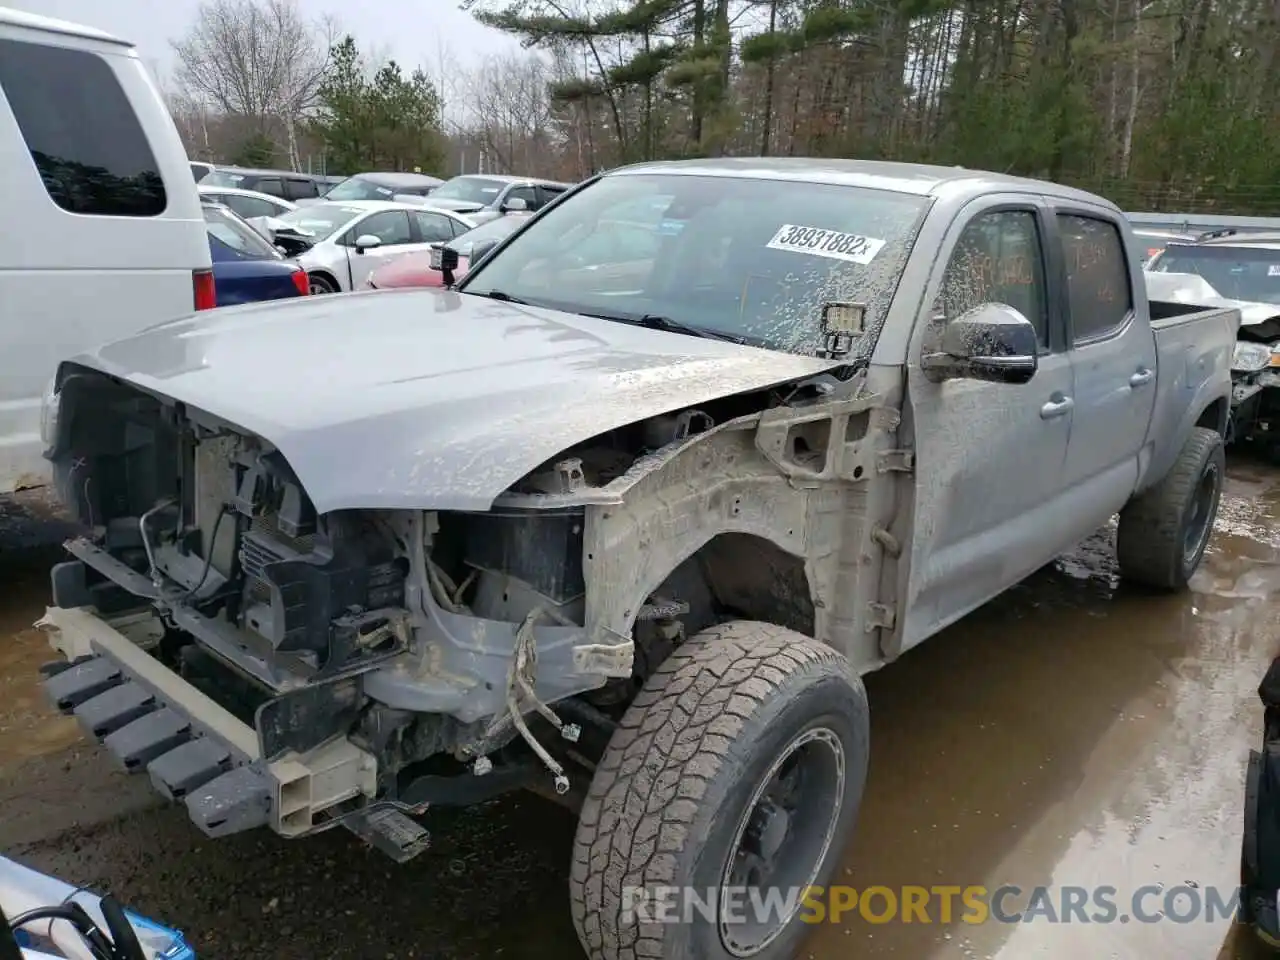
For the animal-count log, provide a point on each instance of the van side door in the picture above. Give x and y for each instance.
(1113, 353)
(988, 456)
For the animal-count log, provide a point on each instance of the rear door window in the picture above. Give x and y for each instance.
(81, 131)
(1097, 276)
(433, 227)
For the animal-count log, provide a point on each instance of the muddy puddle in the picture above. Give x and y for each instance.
(1072, 734)
(27, 727)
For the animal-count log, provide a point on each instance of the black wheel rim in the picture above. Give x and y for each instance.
(782, 841)
(1200, 522)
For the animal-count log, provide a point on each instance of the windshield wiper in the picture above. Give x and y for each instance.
(504, 298)
(657, 322)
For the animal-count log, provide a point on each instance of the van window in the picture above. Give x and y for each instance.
(81, 130)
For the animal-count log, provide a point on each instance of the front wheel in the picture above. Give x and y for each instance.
(1164, 532)
(731, 786)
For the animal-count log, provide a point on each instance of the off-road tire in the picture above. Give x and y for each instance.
(678, 776)
(1153, 526)
(320, 285)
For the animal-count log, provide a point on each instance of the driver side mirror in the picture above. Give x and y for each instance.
(367, 241)
(991, 342)
(514, 204)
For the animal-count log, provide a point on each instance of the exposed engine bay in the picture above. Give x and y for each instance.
(435, 642)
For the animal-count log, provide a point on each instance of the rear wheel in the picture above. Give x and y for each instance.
(320, 284)
(1164, 532)
(737, 770)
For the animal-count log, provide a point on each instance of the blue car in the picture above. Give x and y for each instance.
(246, 267)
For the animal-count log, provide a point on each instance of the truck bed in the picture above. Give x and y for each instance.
(1166, 313)
(1194, 345)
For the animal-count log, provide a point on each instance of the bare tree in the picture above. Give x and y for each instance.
(259, 60)
(510, 112)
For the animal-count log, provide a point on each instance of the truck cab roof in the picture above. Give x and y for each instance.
(958, 183)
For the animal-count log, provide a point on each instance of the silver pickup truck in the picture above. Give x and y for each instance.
(620, 524)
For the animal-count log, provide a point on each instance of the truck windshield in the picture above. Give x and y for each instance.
(1237, 273)
(750, 258)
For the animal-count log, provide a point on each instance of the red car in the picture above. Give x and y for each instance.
(417, 269)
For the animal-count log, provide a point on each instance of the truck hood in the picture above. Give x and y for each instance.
(428, 399)
(1193, 288)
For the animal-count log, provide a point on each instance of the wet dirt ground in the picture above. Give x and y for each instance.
(1071, 733)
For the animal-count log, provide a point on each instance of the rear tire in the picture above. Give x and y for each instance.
(741, 763)
(1164, 532)
(320, 285)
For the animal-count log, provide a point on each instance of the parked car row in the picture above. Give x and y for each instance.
(340, 244)
(487, 196)
(285, 184)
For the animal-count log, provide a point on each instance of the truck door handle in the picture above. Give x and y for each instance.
(1056, 408)
(1141, 378)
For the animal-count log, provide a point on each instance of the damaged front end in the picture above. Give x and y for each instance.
(271, 665)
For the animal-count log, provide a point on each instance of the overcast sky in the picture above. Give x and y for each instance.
(413, 32)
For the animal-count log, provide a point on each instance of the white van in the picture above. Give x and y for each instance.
(103, 230)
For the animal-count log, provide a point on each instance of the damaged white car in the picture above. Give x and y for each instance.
(1240, 270)
(622, 531)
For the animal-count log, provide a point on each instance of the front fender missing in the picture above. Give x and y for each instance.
(720, 485)
(463, 668)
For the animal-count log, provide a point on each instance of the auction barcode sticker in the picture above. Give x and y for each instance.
(826, 243)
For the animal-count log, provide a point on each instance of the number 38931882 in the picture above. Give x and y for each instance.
(826, 243)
